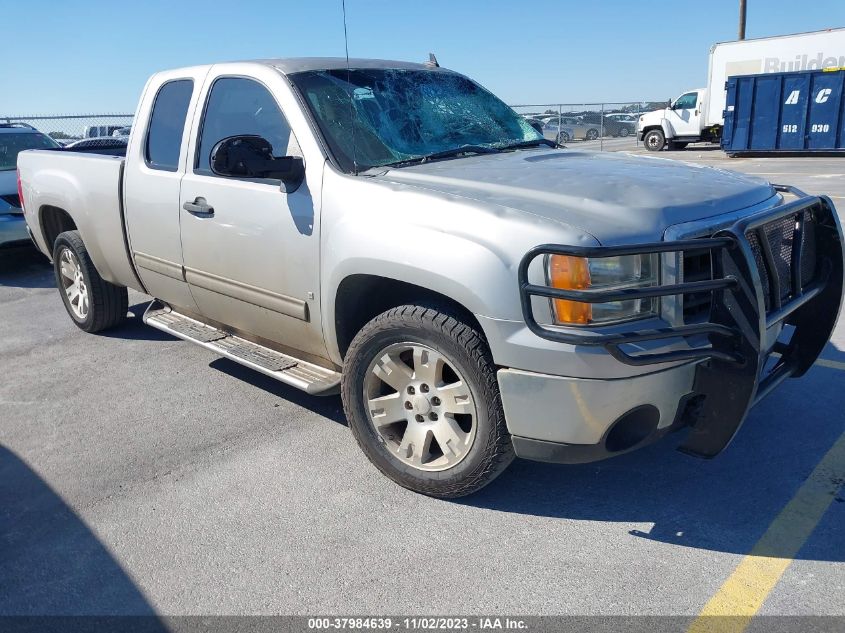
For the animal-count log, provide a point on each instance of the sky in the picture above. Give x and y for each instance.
(94, 56)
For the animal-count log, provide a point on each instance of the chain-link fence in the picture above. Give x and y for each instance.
(71, 128)
(599, 126)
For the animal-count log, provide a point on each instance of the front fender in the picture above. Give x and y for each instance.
(456, 247)
(653, 120)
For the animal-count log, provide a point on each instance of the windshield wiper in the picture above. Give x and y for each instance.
(447, 153)
(535, 143)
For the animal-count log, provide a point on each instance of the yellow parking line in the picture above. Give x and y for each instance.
(832, 364)
(731, 608)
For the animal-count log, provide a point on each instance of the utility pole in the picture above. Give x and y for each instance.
(742, 19)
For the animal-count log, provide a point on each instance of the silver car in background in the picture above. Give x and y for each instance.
(564, 129)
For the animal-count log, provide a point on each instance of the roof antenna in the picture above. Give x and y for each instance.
(432, 61)
(352, 94)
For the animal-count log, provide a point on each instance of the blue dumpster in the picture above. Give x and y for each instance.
(793, 112)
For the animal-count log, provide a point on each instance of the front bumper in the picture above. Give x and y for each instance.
(573, 419)
(12, 229)
(754, 292)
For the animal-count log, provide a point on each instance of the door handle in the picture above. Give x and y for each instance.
(200, 208)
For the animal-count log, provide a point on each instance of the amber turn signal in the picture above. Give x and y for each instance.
(570, 273)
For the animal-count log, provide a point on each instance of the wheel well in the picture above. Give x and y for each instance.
(360, 298)
(652, 127)
(53, 222)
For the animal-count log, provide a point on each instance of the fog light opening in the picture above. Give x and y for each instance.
(632, 428)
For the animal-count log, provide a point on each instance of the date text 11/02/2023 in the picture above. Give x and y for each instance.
(417, 623)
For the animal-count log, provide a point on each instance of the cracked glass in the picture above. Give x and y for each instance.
(376, 117)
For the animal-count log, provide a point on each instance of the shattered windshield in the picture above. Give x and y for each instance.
(375, 117)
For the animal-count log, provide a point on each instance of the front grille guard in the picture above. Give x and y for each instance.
(733, 377)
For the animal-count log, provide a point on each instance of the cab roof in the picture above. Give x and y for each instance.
(292, 65)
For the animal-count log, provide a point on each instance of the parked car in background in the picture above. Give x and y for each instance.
(100, 144)
(14, 138)
(563, 129)
(123, 131)
(627, 119)
(96, 131)
(609, 126)
(560, 134)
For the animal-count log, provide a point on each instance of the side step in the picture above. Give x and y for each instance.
(293, 371)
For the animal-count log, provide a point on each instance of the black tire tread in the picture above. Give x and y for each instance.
(108, 303)
(422, 317)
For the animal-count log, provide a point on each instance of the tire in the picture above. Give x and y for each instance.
(97, 304)
(591, 135)
(562, 138)
(623, 131)
(406, 450)
(675, 146)
(654, 140)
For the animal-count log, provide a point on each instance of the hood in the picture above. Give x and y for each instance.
(615, 197)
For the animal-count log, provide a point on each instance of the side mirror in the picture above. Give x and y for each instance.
(251, 156)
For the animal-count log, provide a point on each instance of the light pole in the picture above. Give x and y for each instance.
(742, 19)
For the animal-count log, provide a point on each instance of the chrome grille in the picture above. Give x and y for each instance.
(780, 236)
(697, 266)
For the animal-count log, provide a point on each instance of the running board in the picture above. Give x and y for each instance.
(298, 373)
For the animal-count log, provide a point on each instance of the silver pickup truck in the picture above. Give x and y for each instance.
(396, 232)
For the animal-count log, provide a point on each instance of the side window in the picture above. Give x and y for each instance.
(238, 106)
(164, 137)
(687, 101)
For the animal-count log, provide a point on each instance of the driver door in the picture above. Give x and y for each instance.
(251, 250)
(685, 114)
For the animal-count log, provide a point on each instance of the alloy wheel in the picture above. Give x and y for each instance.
(420, 406)
(73, 284)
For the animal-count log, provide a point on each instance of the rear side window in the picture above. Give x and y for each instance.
(238, 106)
(164, 138)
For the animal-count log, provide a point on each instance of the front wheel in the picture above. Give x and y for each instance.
(654, 140)
(92, 303)
(421, 396)
(623, 132)
(592, 134)
(562, 138)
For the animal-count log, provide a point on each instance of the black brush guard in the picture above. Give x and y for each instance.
(733, 376)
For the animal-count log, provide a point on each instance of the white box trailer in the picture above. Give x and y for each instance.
(698, 115)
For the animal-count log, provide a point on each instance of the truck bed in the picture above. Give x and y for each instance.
(87, 186)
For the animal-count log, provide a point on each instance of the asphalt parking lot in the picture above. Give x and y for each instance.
(140, 474)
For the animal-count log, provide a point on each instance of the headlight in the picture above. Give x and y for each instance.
(604, 273)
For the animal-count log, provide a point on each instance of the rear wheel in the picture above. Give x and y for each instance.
(93, 303)
(562, 138)
(623, 131)
(654, 140)
(592, 134)
(421, 396)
